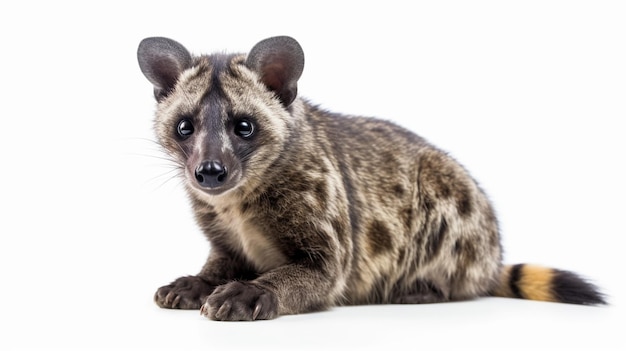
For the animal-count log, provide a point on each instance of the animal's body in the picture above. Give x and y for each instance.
(307, 209)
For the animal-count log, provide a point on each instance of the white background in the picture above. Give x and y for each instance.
(528, 95)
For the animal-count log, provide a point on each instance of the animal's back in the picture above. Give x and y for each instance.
(417, 218)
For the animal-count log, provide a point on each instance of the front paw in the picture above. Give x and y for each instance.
(187, 293)
(240, 301)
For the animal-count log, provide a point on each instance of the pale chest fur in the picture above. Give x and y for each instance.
(243, 236)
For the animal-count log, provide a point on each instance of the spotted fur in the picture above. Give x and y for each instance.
(315, 209)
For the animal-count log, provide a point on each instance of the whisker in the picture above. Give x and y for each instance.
(174, 166)
(168, 174)
(163, 158)
(176, 176)
(182, 150)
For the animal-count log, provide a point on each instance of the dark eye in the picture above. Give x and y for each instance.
(244, 128)
(185, 128)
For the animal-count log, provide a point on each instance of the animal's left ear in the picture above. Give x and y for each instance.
(279, 61)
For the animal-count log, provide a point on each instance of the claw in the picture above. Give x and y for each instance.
(203, 311)
(257, 310)
(224, 310)
(176, 301)
(169, 297)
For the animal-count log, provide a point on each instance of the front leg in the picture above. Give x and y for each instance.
(290, 289)
(186, 293)
(241, 301)
(192, 291)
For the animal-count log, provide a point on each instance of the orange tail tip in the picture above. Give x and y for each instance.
(547, 284)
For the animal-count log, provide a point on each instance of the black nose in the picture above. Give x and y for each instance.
(211, 174)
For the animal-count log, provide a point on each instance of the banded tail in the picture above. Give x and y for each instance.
(546, 284)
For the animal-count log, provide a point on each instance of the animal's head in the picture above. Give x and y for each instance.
(224, 118)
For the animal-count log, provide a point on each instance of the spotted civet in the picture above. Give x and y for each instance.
(307, 209)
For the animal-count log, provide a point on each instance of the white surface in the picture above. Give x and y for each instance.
(529, 96)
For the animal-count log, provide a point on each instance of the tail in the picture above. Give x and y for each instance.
(546, 284)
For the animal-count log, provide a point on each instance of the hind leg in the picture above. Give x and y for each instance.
(420, 292)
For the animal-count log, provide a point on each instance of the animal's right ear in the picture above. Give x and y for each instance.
(162, 60)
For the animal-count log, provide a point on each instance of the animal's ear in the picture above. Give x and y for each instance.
(162, 60)
(279, 61)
